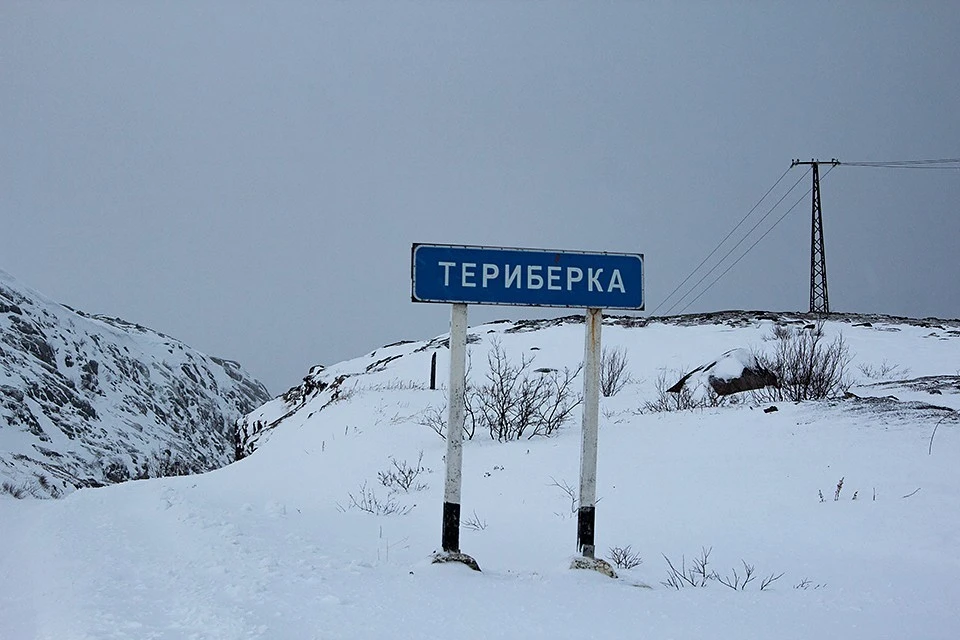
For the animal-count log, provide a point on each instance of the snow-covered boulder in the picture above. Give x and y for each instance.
(735, 371)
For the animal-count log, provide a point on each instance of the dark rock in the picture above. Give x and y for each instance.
(455, 556)
(381, 364)
(752, 375)
(750, 379)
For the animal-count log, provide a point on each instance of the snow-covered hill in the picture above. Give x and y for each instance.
(283, 544)
(660, 350)
(92, 400)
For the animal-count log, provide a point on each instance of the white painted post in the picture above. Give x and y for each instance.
(455, 417)
(586, 515)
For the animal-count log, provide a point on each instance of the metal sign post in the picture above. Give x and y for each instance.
(586, 514)
(456, 411)
(462, 275)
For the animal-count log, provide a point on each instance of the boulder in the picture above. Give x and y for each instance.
(735, 371)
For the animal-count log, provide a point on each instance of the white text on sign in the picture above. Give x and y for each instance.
(533, 277)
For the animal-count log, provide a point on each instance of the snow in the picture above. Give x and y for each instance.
(732, 364)
(269, 548)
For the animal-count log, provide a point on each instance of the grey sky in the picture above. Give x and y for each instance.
(249, 177)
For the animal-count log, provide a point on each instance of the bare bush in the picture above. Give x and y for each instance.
(883, 371)
(435, 418)
(625, 557)
(42, 488)
(474, 523)
(695, 576)
(699, 574)
(18, 491)
(735, 581)
(838, 489)
(515, 402)
(769, 580)
(739, 582)
(556, 402)
(397, 384)
(807, 583)
(44, 483)
(666, 401)
(367, 500)
(779, 332)
(570, 493)
(163, 464)
(613, 371)
(682, 400)
(402, 476)
(806, 365)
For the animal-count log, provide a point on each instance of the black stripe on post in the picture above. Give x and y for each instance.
(586, 517)
(451, 527)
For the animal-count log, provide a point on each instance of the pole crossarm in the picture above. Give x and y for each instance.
(832, 162)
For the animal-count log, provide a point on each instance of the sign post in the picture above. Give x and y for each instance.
(456, 411)
(464, 275)
(586, 514)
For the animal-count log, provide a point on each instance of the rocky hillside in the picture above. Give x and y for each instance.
(90, 400)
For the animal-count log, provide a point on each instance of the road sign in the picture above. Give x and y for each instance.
(528, 277)
(462, 275)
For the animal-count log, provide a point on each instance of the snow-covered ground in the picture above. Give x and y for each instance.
(270, 547)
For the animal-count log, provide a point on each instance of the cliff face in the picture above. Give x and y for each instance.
(92, 400)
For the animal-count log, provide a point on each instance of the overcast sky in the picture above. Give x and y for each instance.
(249, 177)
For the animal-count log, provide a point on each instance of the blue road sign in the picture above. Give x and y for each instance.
(528, 277)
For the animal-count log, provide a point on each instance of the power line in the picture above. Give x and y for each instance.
(741, 241)
(941, 164)
(904, 166)
(702, 262)
(787, 212)
(903, 162)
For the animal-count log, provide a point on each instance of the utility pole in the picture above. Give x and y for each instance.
(819, 299)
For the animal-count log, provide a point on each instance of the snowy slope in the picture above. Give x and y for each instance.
(270, 547)
(91, 400)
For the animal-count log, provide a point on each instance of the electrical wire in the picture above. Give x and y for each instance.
(905, 166)
(741, 241)
(941, 164)
(787, 212)
(903, 162)
(720, 244)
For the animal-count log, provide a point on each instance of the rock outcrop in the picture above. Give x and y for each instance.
(92, 400)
